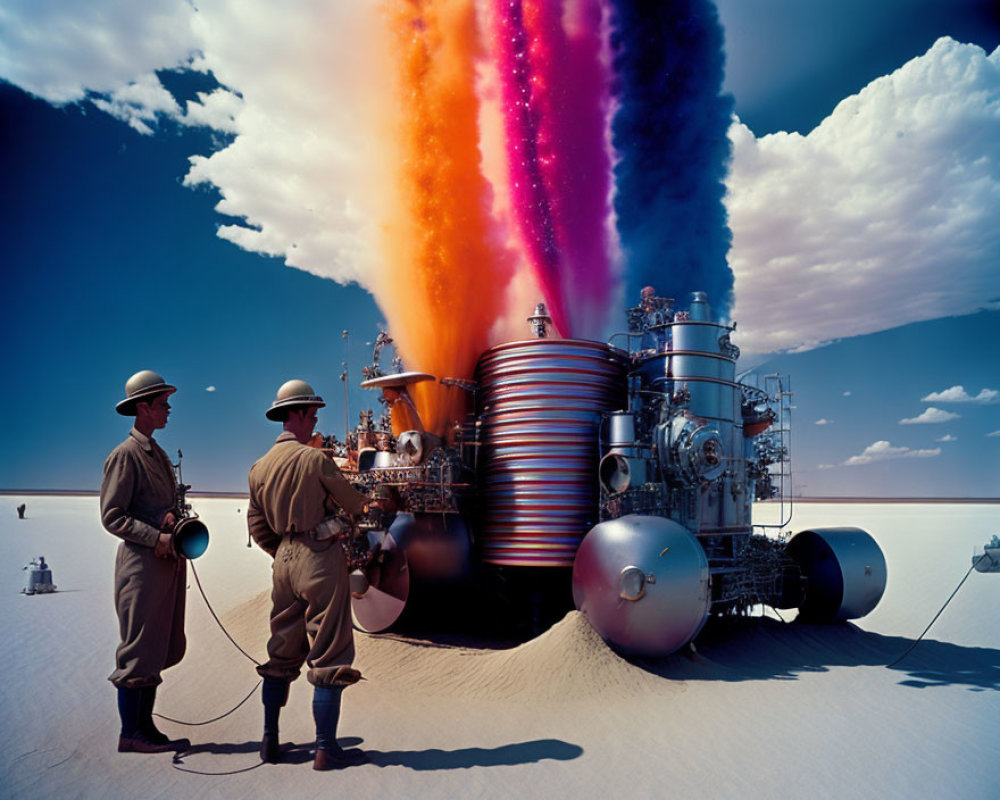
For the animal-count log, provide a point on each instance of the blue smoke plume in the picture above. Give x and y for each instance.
(669, 134)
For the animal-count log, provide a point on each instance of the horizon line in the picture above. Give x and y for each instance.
(790, 501)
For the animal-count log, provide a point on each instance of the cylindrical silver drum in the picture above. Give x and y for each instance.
(699, 362)
(540, 404)
(621, 432)
(702, 361)
(844, 569)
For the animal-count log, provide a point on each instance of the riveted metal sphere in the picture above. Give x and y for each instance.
(643, 584)
(539, 405)
(844, 570)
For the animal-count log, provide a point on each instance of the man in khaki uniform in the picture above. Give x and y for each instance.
(138, 498)
(294, 490)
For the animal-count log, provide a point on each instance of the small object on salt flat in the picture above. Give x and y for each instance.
(39, 577)
(989, 559)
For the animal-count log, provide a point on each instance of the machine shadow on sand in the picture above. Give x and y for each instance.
(765, 649)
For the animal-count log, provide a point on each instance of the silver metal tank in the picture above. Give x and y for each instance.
(699, 357)
(642, 583)
(701, 360)
(844, 570)
(539, 406)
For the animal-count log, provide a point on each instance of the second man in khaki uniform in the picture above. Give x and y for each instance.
(294, 491)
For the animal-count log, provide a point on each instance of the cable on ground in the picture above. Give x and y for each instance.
(940, 610)
(254, 660)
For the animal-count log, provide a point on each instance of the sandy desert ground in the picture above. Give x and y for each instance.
(763, 709)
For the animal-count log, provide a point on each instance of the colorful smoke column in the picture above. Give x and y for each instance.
(583, 85)
(446, 270)
(669, 134)
(555, 103)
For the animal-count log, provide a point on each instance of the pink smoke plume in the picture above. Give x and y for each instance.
(555, 92)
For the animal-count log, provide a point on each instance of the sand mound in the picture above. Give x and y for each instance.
(570, 660)
(248, 622)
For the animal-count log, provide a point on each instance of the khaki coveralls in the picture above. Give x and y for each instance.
(292, 489)
(137, 491)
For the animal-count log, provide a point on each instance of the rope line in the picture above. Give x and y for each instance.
(213, 719)
(221, 716)
(921, 636)
(216, 618)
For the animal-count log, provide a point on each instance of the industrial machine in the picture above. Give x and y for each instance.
(620, 474)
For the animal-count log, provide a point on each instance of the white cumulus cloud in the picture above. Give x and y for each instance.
(303, 178)
(887, 213)
(217, 109)
(300, 91)
(884, 451)
(139, 103)
(957, 394)
(209, 388)
(61, 51)
(931, 416)
(824, 422)
(947, 438)
(846, 394)
(993, 434)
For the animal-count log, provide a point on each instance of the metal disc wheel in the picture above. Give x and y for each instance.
(384, 598)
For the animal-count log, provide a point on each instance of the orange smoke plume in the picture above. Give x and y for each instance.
(447, 270)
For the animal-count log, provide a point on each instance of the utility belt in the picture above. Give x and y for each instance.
(331, 528)
(328, 531)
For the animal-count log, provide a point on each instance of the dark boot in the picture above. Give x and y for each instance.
(326, 714)
(132, 739)
(274, 695)
(148, 728)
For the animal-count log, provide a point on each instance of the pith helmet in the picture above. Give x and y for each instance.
(144, 385)
(293, 394)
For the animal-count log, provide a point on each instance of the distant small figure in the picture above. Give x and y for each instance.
(20, 511)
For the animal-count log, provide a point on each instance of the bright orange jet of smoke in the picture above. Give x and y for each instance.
(447, 272)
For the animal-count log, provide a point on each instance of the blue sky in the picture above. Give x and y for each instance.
(113, 262)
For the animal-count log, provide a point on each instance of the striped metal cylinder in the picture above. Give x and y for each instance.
(539, 406)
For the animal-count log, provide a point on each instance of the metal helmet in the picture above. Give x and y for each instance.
(291, 395)
(143, 385)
